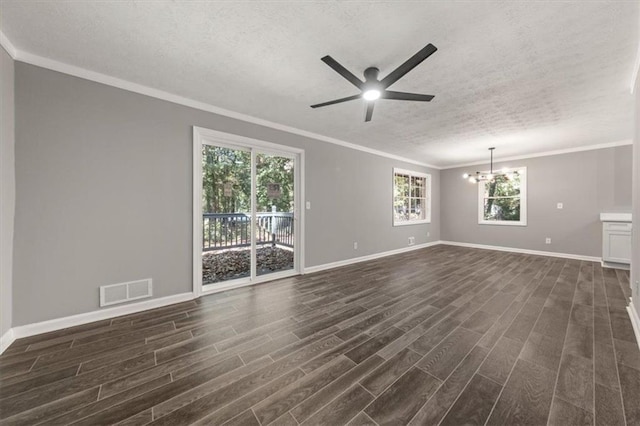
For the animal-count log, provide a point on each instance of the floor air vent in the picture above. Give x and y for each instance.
(125, 292)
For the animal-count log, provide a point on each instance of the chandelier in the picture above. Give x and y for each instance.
(491, 176)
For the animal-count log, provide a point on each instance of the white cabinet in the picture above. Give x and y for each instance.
(616, 238)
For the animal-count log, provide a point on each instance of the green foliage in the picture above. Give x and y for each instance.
(274, 169)
(502, 198)
(233, 167)
(220, 166)
(409, 197)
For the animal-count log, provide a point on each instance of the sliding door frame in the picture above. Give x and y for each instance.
(203, 136)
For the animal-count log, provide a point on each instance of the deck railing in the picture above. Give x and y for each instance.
(230, 230)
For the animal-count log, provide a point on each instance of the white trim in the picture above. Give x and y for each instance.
(102, 314)
(635, 320)
(616, 265)
(522, 171)
(246, 282)
(203, 136)
(623, 142)
(412, 222)
(524, 251)
(501, 223)
(300, 214)
(6, 340)
(346, 262)
(400, 170)
(427, 196)
(86, 74)
(253, 196)
(616, 217)
(217, 137)
(197, 213)
(8, 46)
(634, 74)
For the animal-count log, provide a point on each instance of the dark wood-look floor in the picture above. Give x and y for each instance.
(444, 335)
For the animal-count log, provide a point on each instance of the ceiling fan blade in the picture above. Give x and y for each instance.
(337, 101)
(409, 64)
(402, 96)
(370, 106)
(343, 71)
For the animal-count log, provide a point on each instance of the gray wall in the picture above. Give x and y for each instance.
(635, 262)
(104, 194)
(7, 187)
(587, 183)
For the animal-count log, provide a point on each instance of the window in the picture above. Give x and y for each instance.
(411, 197)
(503, 201)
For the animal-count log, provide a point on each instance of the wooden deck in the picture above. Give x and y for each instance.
(444, 335)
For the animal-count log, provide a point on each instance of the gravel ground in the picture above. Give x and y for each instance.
(234, 263)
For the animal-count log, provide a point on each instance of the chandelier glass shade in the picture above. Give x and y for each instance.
(491, 175)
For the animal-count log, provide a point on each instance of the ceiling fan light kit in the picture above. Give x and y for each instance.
(491, 176)
(371, 95)
(372, 88)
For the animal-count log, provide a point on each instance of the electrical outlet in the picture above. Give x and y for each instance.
(412, 240)
(355, 245)
(547, 240)
(428, 234)
(560, 206)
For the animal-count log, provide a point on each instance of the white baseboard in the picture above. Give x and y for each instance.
(616, 265)
(340, 263)
(102, 314)
(635, 320)
(525, 251)
(6, 340)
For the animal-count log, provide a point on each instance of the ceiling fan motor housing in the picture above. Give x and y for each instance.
(371, 74)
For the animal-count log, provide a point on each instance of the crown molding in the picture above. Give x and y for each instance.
(108, 80)
(7, 45)
(546, 153)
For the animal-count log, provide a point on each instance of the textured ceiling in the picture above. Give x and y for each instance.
(525, 77)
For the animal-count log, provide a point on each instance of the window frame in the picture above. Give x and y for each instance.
(523, 201)
(427, 197)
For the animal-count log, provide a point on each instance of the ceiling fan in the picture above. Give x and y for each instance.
(372, 88)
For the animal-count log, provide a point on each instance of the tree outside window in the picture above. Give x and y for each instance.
(502, 201)
(411, 197)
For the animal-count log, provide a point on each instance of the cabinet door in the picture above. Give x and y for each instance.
(617, 246)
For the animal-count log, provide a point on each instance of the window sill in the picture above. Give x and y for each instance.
(501, 223)
(413, 222)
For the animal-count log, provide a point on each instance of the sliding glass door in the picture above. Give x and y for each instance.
(247, 225)
(275, 202)
(226, 214)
